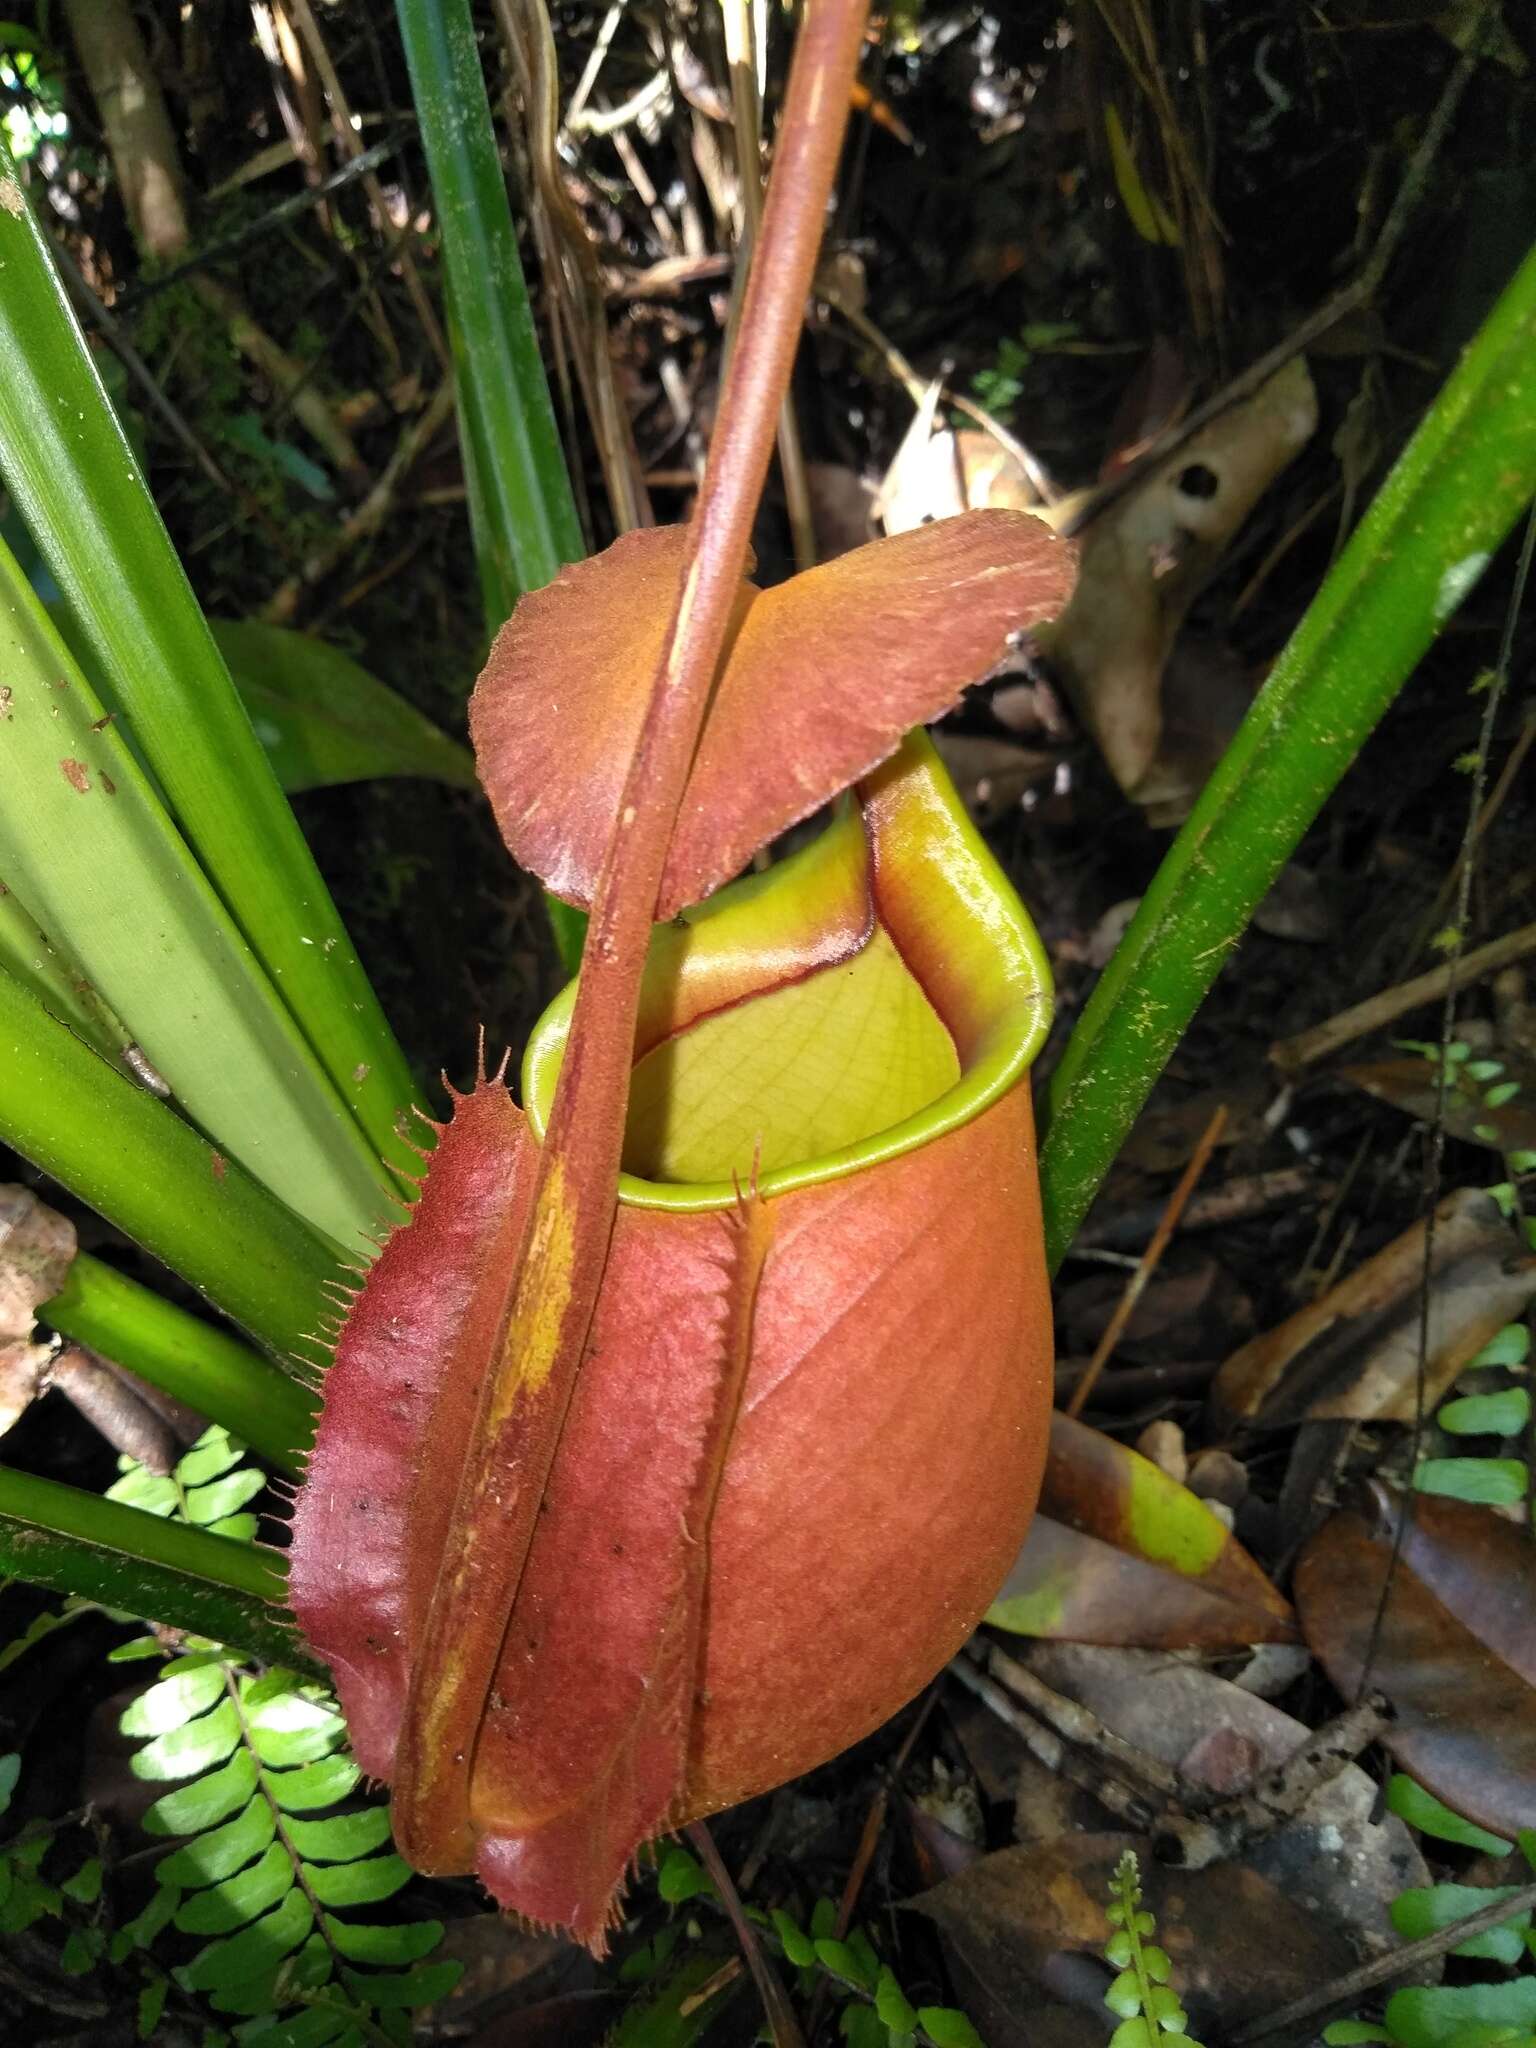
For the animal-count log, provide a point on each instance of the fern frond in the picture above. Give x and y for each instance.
(1141, 1997)
(277, 1848)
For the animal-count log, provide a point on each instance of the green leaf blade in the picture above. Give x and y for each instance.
(75, 480)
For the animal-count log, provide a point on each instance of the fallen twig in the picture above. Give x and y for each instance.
(369, 515)
(1195, 1841)
(1400, 1963)
(782, 2023)
(1150, 1258)
(1392, 1003)
(141, 292)
(1077, 1725)
(1047, 1747)
(1235, 1201)
(1135, 1385)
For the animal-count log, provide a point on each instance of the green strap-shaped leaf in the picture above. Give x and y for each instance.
(76, 1542)
(322, 718)
(521, 509)
(74, 478)
(86, 843)
(138, 1164)
(521, 506)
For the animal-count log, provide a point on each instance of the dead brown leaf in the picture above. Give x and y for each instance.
(938, 471)
(1455, 1652)
(1146, 559)
(37, 1248)
(1354, 1354)
(1409, 1084)
(1025, 1929)
(1120, 1553)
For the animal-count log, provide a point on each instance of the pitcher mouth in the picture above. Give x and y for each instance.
(875, 990)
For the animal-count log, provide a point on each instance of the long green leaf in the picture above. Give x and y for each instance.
(185, 1357)
(522, 511)
(138, 1164)
(323, 718)
(1452, 497)
(72, 473)
(520, 494)
(86, 844)
(76, 1542)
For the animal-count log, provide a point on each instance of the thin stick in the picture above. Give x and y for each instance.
(781, 2018)
(1048, 1748)
(916, 388)
(1150, 1258)
(139, 294)
(1514, 761)
(570, 259)
(1391, 1003)
(370, 515)
(1235, 1201)
(347, 141)
(874, 1820)
(1195, 1841)
(863, 1856)
(1346, 1989)
(1076, 1724)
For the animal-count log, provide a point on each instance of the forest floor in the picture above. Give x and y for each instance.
(1084, 222)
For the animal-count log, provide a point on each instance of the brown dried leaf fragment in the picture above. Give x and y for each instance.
(37, 1247)
(1455, 1652)
(1354, 1355)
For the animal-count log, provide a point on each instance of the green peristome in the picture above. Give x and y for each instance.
(900, 1006)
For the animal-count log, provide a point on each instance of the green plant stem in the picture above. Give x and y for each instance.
(1450, 500)
(72, 474)
(185, 1357)
(135, 1162)
(519, 491)
(76, 1542)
